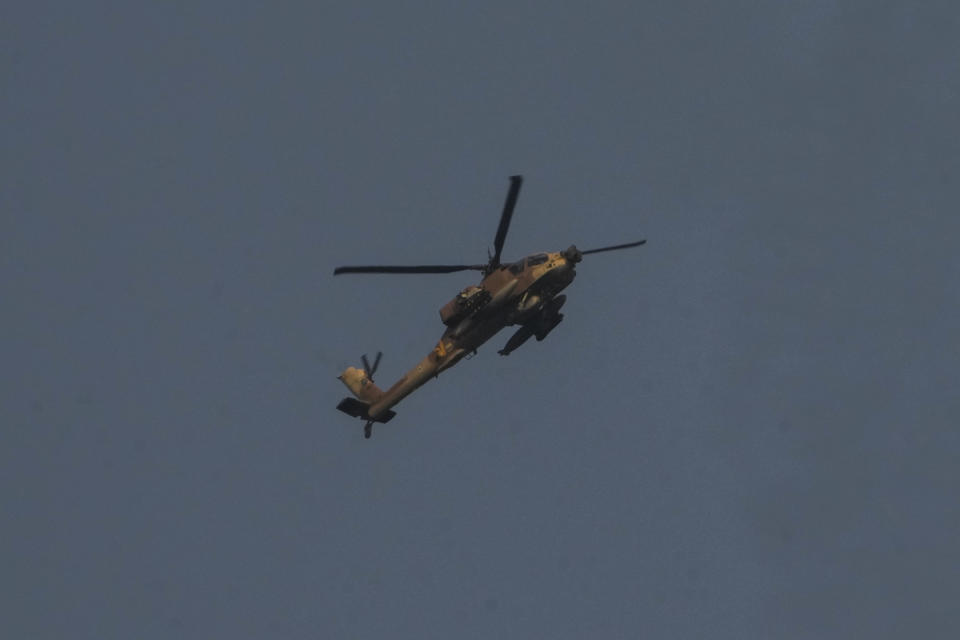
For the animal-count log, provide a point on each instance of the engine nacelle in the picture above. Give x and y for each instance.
(467, 303)
(528, 304)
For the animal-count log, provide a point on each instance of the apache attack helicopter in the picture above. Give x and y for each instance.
(525, 293)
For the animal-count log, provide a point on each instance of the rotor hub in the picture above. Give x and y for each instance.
(572, 254)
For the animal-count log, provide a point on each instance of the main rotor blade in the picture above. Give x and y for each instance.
(619, 246)
(515, 183)
(434, 268)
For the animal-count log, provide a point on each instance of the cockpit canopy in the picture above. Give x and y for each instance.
(529, 261)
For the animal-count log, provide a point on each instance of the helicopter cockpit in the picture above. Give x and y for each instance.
(529, 261)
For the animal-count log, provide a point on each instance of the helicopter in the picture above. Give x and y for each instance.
(525, 293)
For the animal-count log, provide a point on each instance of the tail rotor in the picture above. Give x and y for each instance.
(366, 364)
(365, 392)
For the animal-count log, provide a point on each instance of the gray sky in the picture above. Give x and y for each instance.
(746, 428)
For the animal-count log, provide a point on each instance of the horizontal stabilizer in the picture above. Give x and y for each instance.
(357, 409)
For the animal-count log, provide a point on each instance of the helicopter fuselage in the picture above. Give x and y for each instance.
(524, 293)
(515, 294)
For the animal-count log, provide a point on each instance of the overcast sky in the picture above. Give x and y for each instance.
(746, 428)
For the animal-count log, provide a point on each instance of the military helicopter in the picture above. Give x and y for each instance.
(524, 293)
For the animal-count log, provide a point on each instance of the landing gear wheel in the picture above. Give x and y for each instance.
(368, 430)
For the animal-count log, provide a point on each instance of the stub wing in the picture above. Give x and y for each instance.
(358, 409)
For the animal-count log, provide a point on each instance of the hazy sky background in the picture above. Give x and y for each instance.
(747, 428)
